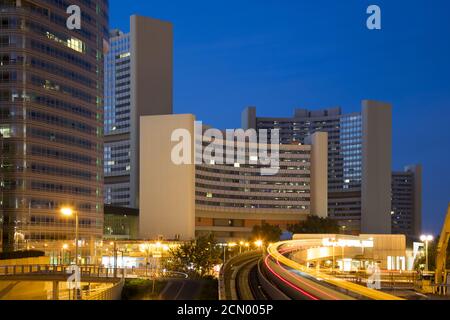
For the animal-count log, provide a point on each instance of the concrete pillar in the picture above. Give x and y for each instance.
(319, 173)
(55, 290)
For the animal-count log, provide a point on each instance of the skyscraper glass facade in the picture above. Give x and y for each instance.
(344, 155)
(117, 121)
(51, 120)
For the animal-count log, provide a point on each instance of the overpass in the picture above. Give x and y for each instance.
(109, 281)
(300, 282)
(275, 276)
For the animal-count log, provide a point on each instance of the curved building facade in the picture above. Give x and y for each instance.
(231, 199)
(51, 119)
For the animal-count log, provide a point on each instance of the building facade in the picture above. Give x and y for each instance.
(355, 199)
(117, 157)
(121, 223)
(231, 199)
(407, 202)
(51, 120)
(226, 198)
(138, 82)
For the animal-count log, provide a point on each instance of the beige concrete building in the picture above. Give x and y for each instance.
(376, 164)
(167, 205)
(223, 197)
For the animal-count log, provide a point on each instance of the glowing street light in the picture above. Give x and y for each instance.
(241, 244)
(426, 239)
(69, 212)
(259, 243)
(146, 247)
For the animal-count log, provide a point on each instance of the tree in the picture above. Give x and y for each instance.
(432, 255)
(267, 232)
(197, 257)
(315, 225)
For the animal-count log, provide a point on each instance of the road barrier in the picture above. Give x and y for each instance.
(273, 292)
(112, 293)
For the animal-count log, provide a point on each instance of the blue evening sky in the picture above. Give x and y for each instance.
(282, 54)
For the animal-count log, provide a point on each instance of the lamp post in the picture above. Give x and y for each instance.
(145, 247)
(224, 246)
(232, 245)
(426, 239)
(69, 212)
(259, 244)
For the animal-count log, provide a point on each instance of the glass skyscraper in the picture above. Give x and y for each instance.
(51, 120)
(117, 146)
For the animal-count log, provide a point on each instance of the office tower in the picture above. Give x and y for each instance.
(51, 93)
(407, 201)
(138, 82)
(220, 197)
(359, 159)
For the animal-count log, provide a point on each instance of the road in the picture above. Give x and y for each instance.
(300, 282)
(240, 278)
(181, 290)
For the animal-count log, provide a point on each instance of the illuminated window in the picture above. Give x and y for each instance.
(5, 132)
(75, 44)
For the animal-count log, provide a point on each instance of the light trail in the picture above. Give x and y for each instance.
(287, 282)
(303, 281)
(273, 251)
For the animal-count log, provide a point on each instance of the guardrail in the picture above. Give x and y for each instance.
(270, 289)
(54, 270)
(388, 279)
(226, 269)
(112, 293)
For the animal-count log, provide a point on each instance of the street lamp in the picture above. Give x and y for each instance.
(69, 212)
(145, 247)
(241, 244)
(426, 239)
(259, 243)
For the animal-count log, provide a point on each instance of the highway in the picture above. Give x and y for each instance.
(181, 290)
(274, 276)
(239, 278)
(300, 282)
(247, 284)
